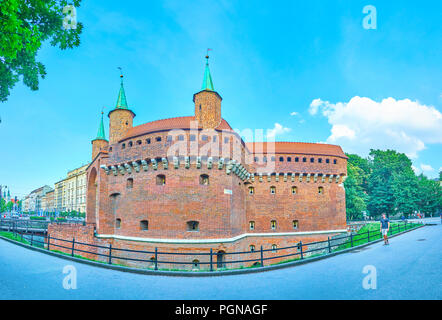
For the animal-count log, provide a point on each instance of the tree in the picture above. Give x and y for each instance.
(356, 196)
(391, 184)
(24, 26)
(429, 195)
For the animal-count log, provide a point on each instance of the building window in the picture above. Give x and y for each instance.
(320, 190)
(161, 180)
(252, 225)
(118, 223)
(204, 137)
(295, 224)
(130, 183)
(226, 140)
(169, 138)
(158, 139)
(294, 190)
(251, 190)
(195, 264)
(110, 149)
(204, 179)
(273, 224)
(252, 248)
(214, 138)
(281, 159)
(192, 137)
(272, 190)
(320, 160)
(312, 160)
(123, 146)
(274, 248)
(130, 144)
(148, 141)
(289, 159)
(304, 159)
(139, 142)
(255, 159)
(335, 161)
(296, 159)
(264, 159)
(144, 225)
(272, 159)
(181, 137)
(327, 160)
(192, 226)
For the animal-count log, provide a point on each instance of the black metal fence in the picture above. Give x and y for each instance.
(212, 260)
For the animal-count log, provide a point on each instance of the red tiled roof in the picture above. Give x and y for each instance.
(168, 124)
(298, 147)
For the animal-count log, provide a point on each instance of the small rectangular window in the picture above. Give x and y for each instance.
(158, 139)
(226, 140)
(252, 225)
(192, 137)
(148, 141)
(169, 139)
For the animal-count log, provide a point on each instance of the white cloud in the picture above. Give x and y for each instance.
(277, 129)
(294, 113)
(426, 167)
(361, 124)
(417, 171)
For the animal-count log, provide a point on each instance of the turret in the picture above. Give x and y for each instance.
(100, 142)
(120, 118)
(207, 102)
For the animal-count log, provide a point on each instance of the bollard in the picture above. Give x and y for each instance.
(49, 240)
(368, 235)
(32, 238)
(211, 259)
(351, 239)
(156, 258)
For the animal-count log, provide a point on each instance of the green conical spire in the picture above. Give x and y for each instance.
(207, 81)
(101, 135)
(121, 101)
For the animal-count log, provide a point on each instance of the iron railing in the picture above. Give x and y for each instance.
(259, 257)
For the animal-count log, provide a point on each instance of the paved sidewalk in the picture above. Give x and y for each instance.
(407, 269)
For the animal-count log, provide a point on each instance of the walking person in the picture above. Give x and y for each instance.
(385, 226)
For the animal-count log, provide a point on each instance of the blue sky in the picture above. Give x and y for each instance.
(297, 67)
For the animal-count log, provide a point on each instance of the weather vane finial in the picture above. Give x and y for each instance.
(121, 73)
(207, 55)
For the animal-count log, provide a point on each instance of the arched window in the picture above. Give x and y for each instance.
(130, 183)
(296, 159)
(204, 179)
(118, 223)
(192, 225)
(195, 264)
(320, 160)
(123, 146)
(304, 159)
(161, 180)
(144, 225)
(158, 139)
(251, 190)
(281, 159)
(289, 159)
(335, 161)
(139, 142)
(272, 189)
(274, 248)
(327, 160)
(312, 160)
(320, 190)
(252, 225)
(252, 248)
(294, 190)
(148, 140)
(130, 144)
(273, 224)
(295, 224)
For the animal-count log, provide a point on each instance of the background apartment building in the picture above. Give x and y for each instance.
(70, 193)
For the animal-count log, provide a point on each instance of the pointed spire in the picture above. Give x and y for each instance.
(121, 101)
(101, 134)
(207, 81)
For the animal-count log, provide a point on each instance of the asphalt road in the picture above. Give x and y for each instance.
(410, 268)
